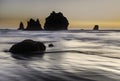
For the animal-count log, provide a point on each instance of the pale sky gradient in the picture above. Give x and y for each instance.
(80, 13)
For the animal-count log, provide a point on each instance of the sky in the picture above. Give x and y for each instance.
(82, 14)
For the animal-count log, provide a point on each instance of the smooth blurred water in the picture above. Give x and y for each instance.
(76, 56)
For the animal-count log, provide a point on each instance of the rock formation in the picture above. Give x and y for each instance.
(21, 26)
(51, 45)
(33, 25)
(56, 21)
(27, 47)
(96, 27)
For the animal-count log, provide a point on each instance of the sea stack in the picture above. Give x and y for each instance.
(56, 21)
(33, 25)
(96, 27)
(21, 26)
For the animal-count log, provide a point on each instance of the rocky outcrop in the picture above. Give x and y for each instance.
(27, 47)
(21, 26)
(56, 21)
(96, 27)
(33, 25)
(51, 45)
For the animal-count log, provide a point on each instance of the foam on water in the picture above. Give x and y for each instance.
(76, 56)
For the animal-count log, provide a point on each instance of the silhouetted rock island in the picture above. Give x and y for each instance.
(21, 26)
(27, 47)
(96, 27)
(56, 21)
(33, 25)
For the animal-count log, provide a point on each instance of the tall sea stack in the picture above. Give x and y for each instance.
(33, 25)
(21, 26)
(56, 21)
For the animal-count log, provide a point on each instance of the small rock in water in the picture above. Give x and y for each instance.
(96, 27)
(50, 45)
(27, 46)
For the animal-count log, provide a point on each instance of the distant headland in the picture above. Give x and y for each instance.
(55, 21)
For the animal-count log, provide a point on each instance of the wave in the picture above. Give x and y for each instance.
(76, 56)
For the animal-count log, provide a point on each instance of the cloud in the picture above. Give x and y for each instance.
(74, 9)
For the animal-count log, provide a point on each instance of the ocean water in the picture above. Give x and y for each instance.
(76, 56)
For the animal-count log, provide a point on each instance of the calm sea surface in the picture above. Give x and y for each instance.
(76, 56)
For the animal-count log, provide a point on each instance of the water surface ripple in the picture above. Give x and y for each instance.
(76, 56)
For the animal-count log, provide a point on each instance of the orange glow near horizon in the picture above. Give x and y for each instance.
(82, 14)
(90, 24)
(72, 24)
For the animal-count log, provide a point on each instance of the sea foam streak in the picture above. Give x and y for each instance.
(76, 56)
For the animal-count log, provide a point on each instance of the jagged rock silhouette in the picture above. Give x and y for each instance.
(56, 21)
(33, 25)
(21, 26)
